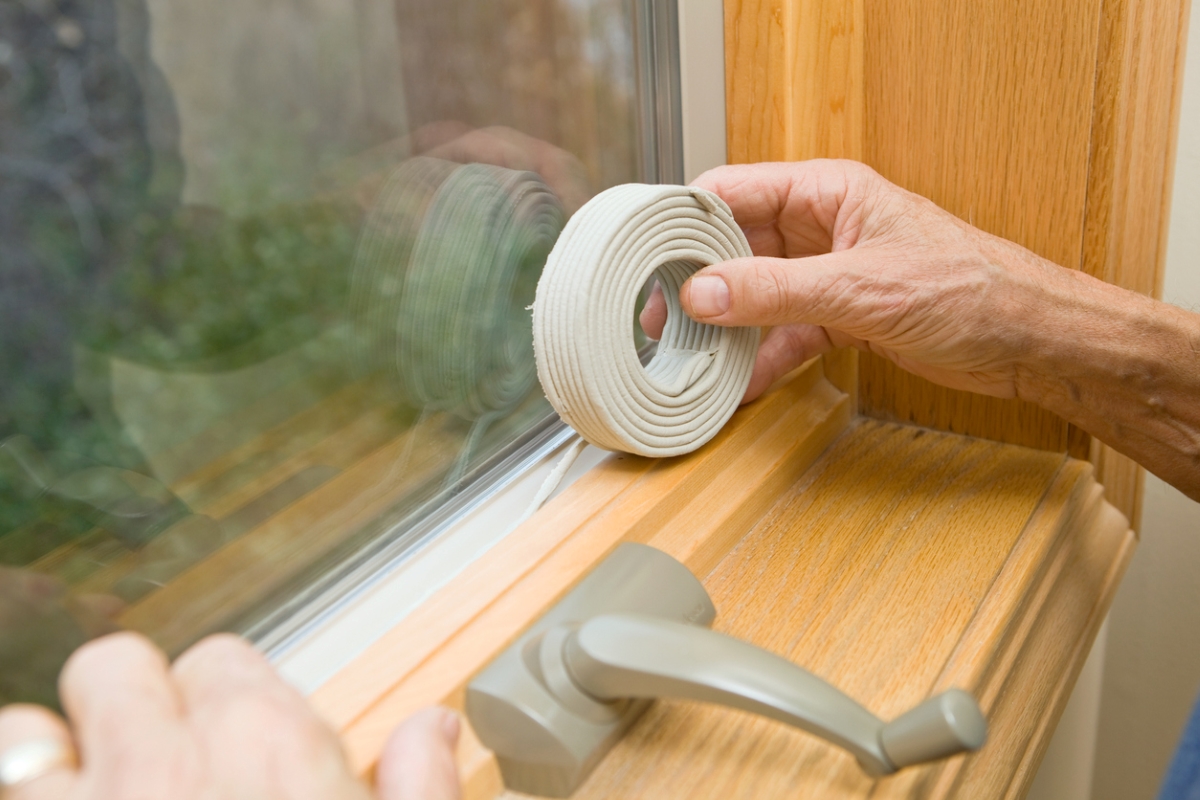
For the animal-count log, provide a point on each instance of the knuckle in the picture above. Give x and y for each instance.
(223, 645)
(862, 172)
(125, 648)
(220, 650)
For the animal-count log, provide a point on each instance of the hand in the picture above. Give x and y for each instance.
(843, 257)
(218, 723)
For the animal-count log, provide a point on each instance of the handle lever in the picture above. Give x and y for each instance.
(618, 656)
(554, 701)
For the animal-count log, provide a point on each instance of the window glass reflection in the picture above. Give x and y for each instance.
(264, 270)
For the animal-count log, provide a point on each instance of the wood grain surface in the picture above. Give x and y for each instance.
(904, 562)
(895, 561)
(793, 80)
(794, 90)
(695, 507)
(985, 108)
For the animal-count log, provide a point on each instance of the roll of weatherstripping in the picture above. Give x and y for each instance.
(583, 322)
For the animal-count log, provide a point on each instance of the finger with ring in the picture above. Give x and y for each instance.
(36, 751)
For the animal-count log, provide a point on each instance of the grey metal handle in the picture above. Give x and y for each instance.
(617, 656)
(556, 699)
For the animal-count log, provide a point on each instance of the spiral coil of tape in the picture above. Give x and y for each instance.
(583, 315)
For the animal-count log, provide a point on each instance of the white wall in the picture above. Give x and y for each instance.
(1152, 669)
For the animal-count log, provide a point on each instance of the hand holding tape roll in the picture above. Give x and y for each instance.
(582, 322)
(445, 242)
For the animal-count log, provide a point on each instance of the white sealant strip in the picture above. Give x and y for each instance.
(346, 635)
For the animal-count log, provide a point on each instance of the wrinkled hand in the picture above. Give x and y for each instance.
(216, 724)
(843, 257)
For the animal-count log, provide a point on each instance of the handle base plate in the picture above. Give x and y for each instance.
(543, 747)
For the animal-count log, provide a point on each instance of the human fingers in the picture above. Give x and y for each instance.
(37, 754)
(126, 715)
(418, 759)
(955, 318)
(783, 349)
(654, 314)
(221, 665)
(259, 736)
(800, 208)
(829, 290)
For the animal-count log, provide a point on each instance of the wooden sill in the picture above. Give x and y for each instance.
(892, 560)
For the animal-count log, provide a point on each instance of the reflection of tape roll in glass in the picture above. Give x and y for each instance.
(446, 266)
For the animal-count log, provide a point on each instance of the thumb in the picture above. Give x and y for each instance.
(772, 291)
(418, 759)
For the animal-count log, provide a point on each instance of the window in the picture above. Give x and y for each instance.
(263, 277)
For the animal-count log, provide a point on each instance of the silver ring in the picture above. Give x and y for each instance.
(26, 761)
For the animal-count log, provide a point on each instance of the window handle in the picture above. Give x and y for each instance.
(557, 698)
(615, 657)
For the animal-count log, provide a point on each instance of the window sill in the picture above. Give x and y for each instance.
(903, 561)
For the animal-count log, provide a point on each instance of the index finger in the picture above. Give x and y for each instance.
(796, 209)
(257, 722)
(126, 713)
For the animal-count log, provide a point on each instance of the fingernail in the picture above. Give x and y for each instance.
(709, 295)
(450, 727)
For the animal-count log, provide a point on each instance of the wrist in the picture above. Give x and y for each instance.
(1081, 336)
(1120, 365)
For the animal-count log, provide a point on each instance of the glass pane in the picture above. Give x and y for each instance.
(264, 270)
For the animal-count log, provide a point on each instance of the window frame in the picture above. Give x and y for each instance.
(681, 99)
